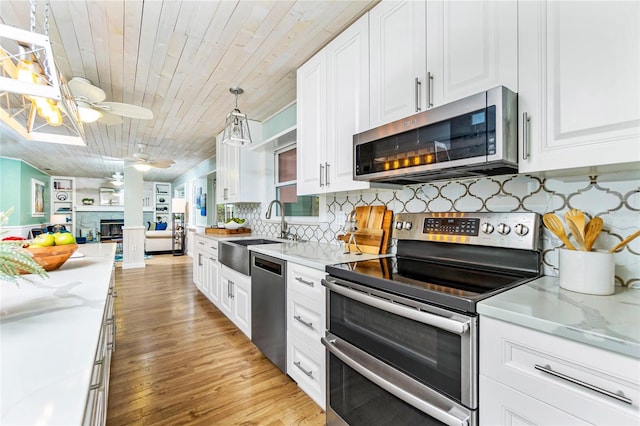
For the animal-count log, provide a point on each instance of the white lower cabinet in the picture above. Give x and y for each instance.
(306, 323)
(205, 267)
(235, 298)
(530, 377)
(96, 408)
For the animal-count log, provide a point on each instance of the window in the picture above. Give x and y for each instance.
(286, 187)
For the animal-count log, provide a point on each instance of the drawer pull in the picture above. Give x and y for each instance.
(308, 324)
(307, 372)
(619, 396)
(309, 283)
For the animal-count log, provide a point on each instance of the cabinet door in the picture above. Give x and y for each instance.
(397, 60)
(241, 300)
(579, 64)
(311, 112)
(212, 278)
(226, 298)
(347, 103)
(472, 46)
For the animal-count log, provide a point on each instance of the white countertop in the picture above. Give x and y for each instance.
(608, 322)
(313, 255)
(49, 333)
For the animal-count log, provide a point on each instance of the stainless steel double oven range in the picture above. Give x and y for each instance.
(402, 332)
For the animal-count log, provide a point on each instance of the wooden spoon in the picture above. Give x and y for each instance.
(554, 224)
(625, 241)
(591, 231)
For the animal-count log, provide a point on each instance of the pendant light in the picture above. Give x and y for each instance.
(236, 126)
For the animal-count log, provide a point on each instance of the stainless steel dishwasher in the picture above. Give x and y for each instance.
(268, 307)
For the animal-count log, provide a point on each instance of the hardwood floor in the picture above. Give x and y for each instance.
(179, 360)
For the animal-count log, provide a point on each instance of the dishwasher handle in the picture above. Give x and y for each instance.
(275, 266)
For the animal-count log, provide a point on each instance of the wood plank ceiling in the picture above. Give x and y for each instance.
(178, 58)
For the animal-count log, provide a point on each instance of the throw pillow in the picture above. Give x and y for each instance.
(161, 226)
(149, 226)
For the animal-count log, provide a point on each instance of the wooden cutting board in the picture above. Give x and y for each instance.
(225, 231)
(370, 216)
(369, 240)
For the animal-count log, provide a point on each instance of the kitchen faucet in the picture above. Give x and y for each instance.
(283, 224)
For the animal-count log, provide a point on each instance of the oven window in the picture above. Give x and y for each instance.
(360, 402)
(428, 354)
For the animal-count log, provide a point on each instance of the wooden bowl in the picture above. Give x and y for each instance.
(52, 257)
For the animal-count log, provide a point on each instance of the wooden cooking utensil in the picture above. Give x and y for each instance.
(576, 216)
(591, 231)
(577, 234)
(554, 224)
(625, 241)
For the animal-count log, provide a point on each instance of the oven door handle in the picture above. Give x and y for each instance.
(446, 324)
(438, 413)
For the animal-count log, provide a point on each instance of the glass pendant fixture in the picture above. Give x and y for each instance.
(236, 126)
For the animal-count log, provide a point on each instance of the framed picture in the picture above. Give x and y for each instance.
(37, 198)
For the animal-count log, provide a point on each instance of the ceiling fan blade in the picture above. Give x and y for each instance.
(82, 89)
(126, 110)
(162, 164)
(109, 119)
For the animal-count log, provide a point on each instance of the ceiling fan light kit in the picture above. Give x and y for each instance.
(88, 114)
(142, 167)
(236, 126)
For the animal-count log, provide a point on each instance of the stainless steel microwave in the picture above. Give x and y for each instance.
(474, 136)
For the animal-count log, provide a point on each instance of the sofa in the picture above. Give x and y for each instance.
(158, 237)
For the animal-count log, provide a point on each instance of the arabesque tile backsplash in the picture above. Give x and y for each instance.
(617, 201)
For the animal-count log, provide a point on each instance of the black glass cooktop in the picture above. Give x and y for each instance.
(451, 286)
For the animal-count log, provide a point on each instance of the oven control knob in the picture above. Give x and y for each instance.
(503, 228)
(486, 227)
(521, 229)
(408, 226)
(399, 225)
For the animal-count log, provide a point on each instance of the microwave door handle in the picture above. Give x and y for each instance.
(457, 327)
(431, 410)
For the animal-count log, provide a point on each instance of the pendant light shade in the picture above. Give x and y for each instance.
(236, 126)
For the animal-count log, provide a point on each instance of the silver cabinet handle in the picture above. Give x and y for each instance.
(619, 395)
(199, 259)
(326, 174)
(307, 372)
(321, 173)
(303, 281)
(299, 319)
(418, 86)
(429, 90)
(224, 193)
(525, 135)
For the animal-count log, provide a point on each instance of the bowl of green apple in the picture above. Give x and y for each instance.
(235, 223)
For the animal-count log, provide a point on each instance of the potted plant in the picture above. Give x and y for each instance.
(14, 258)
(87, 201)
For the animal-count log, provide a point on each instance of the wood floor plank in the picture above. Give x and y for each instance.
(180, 361)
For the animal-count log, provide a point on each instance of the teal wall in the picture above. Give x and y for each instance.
(279, 122)
(15, 191)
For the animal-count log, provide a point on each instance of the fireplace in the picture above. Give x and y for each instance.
(111, 229)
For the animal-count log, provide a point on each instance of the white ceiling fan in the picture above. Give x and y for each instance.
(90, 100)
(143, 162)
(117, 179)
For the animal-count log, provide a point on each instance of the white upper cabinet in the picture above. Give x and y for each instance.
(239, 171)
(333, 104)
(579, 87)
(472, 46)
(397, 37)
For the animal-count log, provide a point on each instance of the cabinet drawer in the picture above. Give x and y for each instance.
(306, 366)
(205, 245)
(305, 280)
(501, 405)
(306, 316)
(571, 376)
